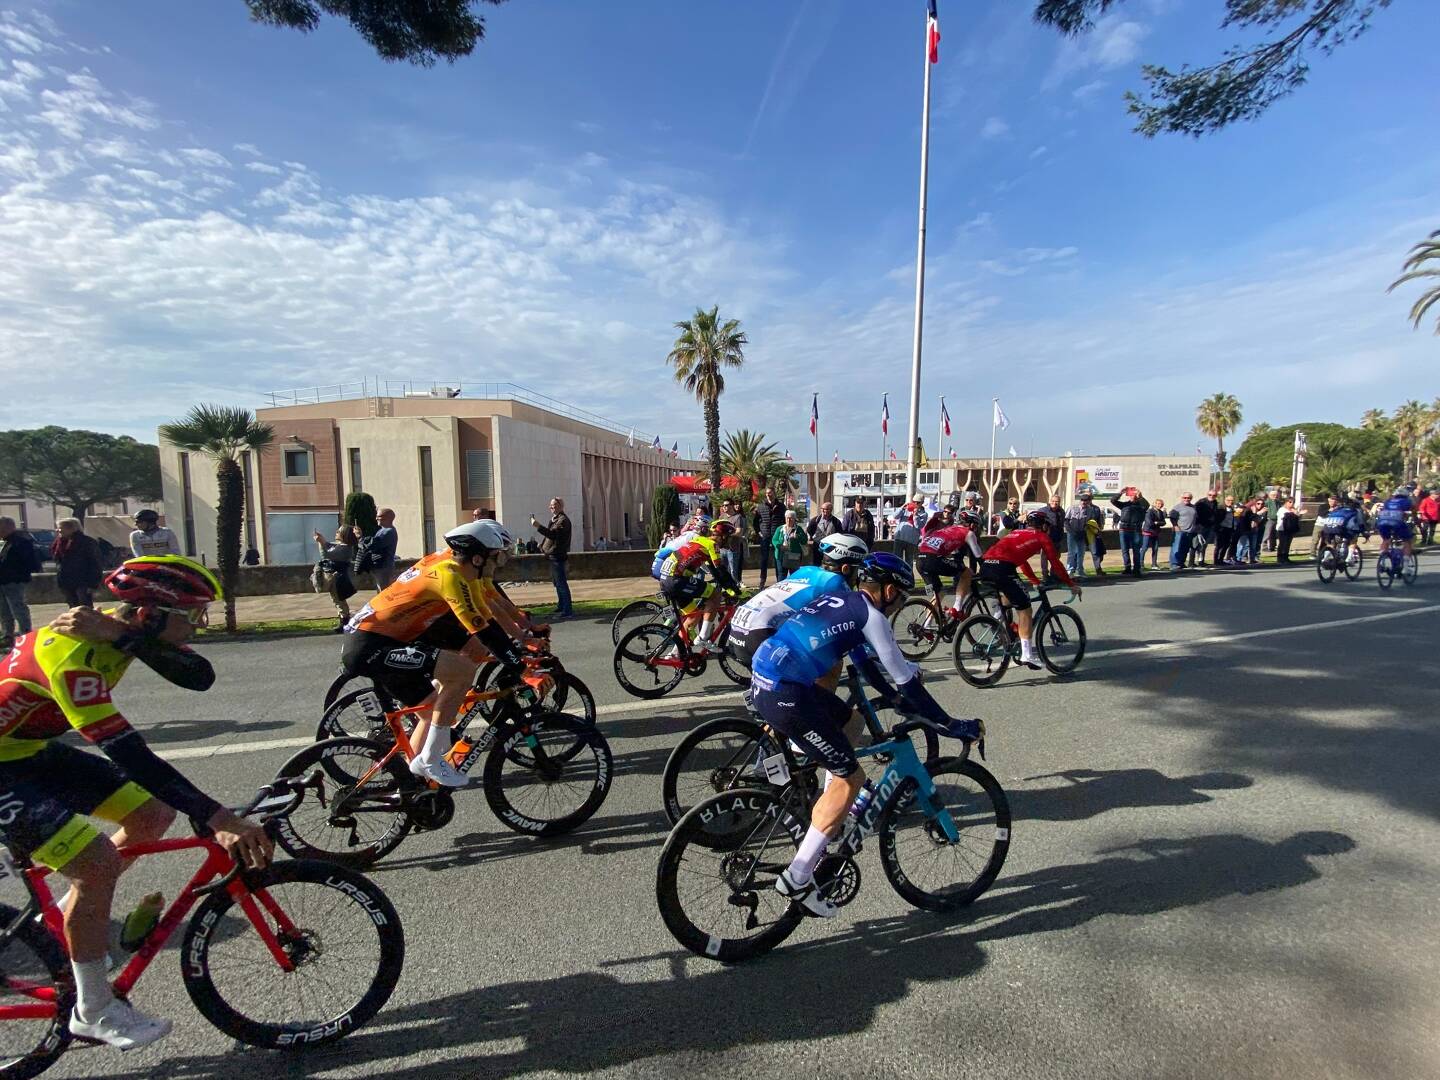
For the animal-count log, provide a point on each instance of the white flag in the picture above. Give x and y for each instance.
(1014, 452)
(632, 436)
(1000, 420)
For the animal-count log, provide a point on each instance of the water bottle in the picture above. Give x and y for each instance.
(862, 801)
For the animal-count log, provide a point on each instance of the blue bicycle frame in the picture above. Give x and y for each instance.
(904, 763)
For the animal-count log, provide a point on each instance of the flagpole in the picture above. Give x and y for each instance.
(815, 415)
(911, 463)
(990, 475)
(940, 446)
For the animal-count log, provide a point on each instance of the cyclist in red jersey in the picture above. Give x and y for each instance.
(951, 550)
(1013, 552)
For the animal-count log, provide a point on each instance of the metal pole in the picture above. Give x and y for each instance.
(990, 472)
(815, 494)
(912, 455)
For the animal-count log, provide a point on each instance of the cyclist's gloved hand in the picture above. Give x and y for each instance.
(546, 663)
(968, 730)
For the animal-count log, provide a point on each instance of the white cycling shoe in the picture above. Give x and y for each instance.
(121, 1026)
(807, 896)
(442, 772)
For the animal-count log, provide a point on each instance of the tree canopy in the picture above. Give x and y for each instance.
(418, 31)
(78, 469)
(705, 347)
(1247, 79)
(1423, 265)
(1353, 454)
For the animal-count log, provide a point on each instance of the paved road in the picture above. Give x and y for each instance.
(1224, 864)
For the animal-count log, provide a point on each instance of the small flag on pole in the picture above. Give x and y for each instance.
(656, 445)
(632, 437)
(944, 417)
(1199, 449)
(953, 455)
(1000, 420)
(932, 33)
(885, 416)
(837, 456)
(814, 413)
(788, 457)
(921, 461)
(675, 450)
(1014, 452)
(892, 454)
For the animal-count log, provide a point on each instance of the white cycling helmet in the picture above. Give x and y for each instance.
(479, 537)
(843, 548)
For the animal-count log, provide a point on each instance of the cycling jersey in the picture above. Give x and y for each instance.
(431, 589)
(758, 617)
(665, 551)
(946, 543)
(1018, 547)
(691, 557)
(1391, 521)
(1342, 519)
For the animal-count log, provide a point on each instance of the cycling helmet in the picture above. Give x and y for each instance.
(164, 581)
(1402, 493)
(887, 569)
(1038, 520)
(146, 515)
(844, 549)
(969, 518)
(721, 529)
(479, 537)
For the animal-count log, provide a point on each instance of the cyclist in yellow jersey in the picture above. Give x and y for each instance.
(683, 581)
(59, 679)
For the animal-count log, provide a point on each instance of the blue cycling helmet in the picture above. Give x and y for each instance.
(887, 569)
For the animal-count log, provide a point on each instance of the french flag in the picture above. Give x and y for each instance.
(656, 445)
(814, 413)
(932, 33)
(885, 415)
(944, 416)
(675, 450)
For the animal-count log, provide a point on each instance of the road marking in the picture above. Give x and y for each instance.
(187, 752)
(667, 703)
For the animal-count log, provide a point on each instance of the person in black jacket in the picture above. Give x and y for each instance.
(1225, 522)
(769, 515)
(1155, 520)
(1207, 514)
(557, 547)
(78, 568)
(858, 521)
(17, 563)
(1133, 508)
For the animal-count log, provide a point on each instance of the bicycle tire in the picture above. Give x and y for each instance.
(547, 771)
(305, 838)
(346, 717)
(1409, 569)
(899, 813)
(636, 647)
(1359, 564)
(983, 641)
(1045, 645)
(47, 962)
(781, 917)
(1325, 564)
(722, 774)
(647, 610)
(555, 700)
(362, 898)
(339, 684)
(917, 629)
(1384, 572)
(734, 669)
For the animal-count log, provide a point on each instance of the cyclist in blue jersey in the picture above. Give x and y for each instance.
(840, 556)
(793, 678)
(1343, 521)
(1392, 521)
(668, 548)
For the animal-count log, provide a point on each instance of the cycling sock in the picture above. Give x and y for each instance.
(705, 628)
(436, 745)
(92, 988)
(1027, 649)
(802, 870)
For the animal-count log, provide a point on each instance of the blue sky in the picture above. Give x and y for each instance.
(193, 207)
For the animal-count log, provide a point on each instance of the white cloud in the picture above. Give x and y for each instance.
(1088, 90)
(1113, 42)
(1038, 152)
(248, 148)
(994, 128)
(264, 167)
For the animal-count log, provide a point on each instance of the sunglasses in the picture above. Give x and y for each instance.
(195, 616)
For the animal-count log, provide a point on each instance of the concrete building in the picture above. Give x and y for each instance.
(432, 454)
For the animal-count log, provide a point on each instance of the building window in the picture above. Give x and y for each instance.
(928, 477)
(427, 499)
(355, 482)
(477, 474)
(299, 465)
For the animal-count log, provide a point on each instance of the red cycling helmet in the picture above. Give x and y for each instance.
(164, 581)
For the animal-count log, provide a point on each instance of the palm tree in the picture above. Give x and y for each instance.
(1259, 428)
(1411, 422)
(1427, 251)
(1218, 416)
(705, 347)
(222, 434)
(1374, 420)
(750, 459)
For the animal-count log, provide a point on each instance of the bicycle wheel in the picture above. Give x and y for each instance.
(561, 788)
(735, 669)
(336, 927)
(715, 883)
(636, 613)
(555, 700)
(1060, 640)
(343, 684)
(359, 713)
(1410, 569)
(32, 964)
(1326, 564)
(924, 867)
(982, 650)
(635, 656)
(1353, 567)
(342, 824)
(719, 755)
(1384, 571)
(917, 628)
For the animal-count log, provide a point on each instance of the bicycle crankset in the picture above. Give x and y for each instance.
(432, 810)
(695, 664)
(838, 879)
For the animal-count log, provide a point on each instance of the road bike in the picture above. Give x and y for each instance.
(1393, 563)
(293, 956)
(651, 660)
(922, 623)
(943, 828)
(544, 774)
(733, 752)
(1332, 555)
(985, 644)
(639, 612)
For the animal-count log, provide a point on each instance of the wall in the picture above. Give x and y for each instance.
(534, 464)
(1164, 477)
(390, 471)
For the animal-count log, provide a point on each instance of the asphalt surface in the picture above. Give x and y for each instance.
(1223, 864)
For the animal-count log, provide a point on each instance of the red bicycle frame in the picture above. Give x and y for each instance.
(727, 612)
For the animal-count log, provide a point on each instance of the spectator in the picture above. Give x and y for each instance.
(1207, 518)
(332, 571)
(382, 549)
(1096, 541)
(17, 563)
(1225, 521)
(820, 526)
(1056, 513)
(907, 532)
(556, 547)
(1428, 514)
(1185, 520)
(1272, 514)
(252, 556)
(1288, 525)
(77, 563)
(532, 548)
(858, 521)
(1256, 528)
(768, 516)
(736, 543)
(789, 542)
(941, 519)
(1007, 519)
(1154, 521)
(1134, 510)
(1077, 542)
(1245, 533)
(152, 538)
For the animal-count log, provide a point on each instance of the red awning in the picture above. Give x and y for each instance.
(686, 484)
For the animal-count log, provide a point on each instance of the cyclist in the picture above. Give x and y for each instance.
(840, 555)
(793, 680)
(683, 580)
(939, 552)
(1013, 551)
(59, 678)
(414, 638)
(1392, 522)
(667, 548)
(1343, 522)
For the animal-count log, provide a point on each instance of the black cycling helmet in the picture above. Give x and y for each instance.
(887, 569)
(969, 518)
(1038, 520)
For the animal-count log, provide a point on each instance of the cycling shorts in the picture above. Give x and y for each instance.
(686, 589)
(1393, 530)
(404, 669)
(1004, 577)
(45, 799)
(814, 719)
(932, 567)
(744, 644)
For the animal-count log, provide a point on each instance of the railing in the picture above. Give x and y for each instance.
(490, 391)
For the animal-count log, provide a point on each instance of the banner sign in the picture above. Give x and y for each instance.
(1098, 479)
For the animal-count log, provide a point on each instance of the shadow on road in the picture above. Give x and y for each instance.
(1089, 792)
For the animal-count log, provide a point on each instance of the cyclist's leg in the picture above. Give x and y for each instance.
(1018, 603)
